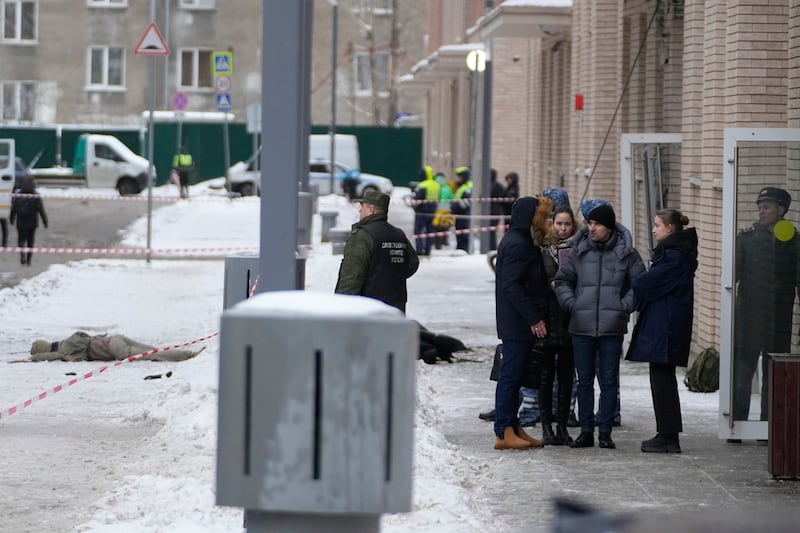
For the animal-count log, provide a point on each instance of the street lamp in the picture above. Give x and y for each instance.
(334, 31)
(480, 67)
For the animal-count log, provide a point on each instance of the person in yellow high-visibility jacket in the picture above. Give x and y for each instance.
(462, 207)
(183, 165)
(427, 194)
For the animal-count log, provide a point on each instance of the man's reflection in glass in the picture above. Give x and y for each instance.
(767, 277)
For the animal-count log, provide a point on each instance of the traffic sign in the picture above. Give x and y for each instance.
(223, 102)
(152, 43)
(180, 100)
(222, 63)
(223, 84)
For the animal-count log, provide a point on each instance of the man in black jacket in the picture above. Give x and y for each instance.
(521, 307)
(378, 258)
(766, 285)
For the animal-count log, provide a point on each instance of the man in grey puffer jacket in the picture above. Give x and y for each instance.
(593, 284)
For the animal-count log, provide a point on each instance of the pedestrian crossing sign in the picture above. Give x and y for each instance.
(221, 63)
(223, 101)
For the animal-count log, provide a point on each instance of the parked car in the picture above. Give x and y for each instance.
(244, 178)
(320, 173)
(20, 170)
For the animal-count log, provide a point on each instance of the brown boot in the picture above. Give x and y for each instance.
(535, 443)
(510, 441)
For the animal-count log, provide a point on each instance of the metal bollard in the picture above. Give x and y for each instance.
(328, 222)
(316, 411)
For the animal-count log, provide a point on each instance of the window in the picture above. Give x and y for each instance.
(18, 101)
(106, 67)
(107, 3)
(197, 4)
(101, 151)
(18, 20)
(363, 75)
(374, 7)
(195, 68)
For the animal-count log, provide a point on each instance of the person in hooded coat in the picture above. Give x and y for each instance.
(664, 297)
(26, 208)
(521, 314)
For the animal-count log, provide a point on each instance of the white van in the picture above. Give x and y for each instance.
(345, 150)
(7, 170)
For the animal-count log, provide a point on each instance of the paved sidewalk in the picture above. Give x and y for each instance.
(722, 482)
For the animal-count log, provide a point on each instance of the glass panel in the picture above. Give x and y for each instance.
(116, 66)
(204, 69)
(382, 71)
(96, 66)
(765, 316)
(656, 185)
(186, 68)
(28, 20)
(363, 82)
(9, 101)
(10, 20)
(27, 101)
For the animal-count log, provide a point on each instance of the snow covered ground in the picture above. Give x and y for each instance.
(161, 476)
(117, 453)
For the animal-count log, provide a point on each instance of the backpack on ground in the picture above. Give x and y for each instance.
(703, 375)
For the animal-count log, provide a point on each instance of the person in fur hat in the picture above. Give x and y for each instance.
(521, 313)
(81, 346)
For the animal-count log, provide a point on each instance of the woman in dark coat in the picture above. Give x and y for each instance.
(26, 208)
(662, 335)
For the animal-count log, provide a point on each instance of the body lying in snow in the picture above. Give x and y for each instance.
(81, 346)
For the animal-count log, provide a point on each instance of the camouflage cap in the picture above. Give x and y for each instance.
(378, 199)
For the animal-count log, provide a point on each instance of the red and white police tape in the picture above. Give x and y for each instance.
(132, 251)
(58, 388)
(458, 231)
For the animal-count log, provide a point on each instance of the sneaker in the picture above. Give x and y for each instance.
(662, 444)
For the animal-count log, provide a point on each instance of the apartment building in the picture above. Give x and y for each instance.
(647, 103)
(73, 61)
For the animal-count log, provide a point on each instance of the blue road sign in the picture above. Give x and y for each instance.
(223, 101)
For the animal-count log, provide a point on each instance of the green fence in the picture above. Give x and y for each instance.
(392, 152)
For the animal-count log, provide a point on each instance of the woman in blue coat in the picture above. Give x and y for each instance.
(665, 299)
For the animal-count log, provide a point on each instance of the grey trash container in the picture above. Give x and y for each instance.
(316, 406)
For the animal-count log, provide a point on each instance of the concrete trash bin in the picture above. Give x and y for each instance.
(328, 222)
(338, 239)
(241, 274)
(316, 405)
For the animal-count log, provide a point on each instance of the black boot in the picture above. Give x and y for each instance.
(488, 416)
(562, 436)
(28, 262)
(547, 434)
(584, 440)
(22, 258)
(604, 439)
(662, 443)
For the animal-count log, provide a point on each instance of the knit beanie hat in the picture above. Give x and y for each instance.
(603, 214)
